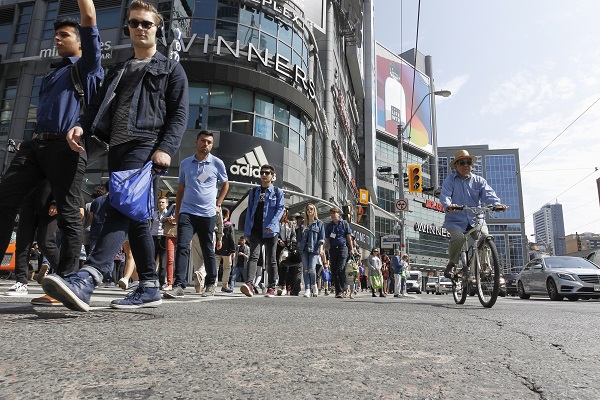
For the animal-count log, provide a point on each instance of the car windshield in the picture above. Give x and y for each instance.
(413, 277)
(568, 262)
(447, 280)
(431, 280)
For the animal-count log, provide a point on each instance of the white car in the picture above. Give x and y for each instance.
(431, 283)
(443, 285)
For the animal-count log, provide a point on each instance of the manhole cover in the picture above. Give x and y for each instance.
(37, 315)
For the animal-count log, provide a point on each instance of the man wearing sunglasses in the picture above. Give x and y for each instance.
(462, 187)
(142, 110)
(261, 227)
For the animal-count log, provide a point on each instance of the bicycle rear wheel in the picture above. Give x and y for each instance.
(460, 285)
(488, 273)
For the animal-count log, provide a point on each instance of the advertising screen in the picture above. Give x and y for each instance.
(400, 89)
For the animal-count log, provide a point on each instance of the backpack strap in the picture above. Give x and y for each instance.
(76, 79)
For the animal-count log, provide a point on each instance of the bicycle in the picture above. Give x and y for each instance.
(484, 263)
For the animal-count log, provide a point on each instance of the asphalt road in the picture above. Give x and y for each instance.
(233, 347)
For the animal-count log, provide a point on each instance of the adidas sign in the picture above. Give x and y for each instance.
(250, 164)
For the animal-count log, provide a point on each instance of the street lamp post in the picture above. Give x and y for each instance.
(401, 129)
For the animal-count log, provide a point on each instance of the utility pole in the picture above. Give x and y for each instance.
(401, 183)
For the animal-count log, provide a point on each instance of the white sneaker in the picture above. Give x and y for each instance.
(315, 291)
(18, 289)
(307, 293)
(123, 283)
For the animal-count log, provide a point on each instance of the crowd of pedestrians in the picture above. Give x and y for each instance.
(141, 112)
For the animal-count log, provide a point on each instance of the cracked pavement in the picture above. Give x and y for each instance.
(233, 347)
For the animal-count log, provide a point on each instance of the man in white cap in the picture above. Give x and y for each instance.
(462, 187)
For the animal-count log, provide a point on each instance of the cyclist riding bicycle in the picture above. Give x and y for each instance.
(463, 187)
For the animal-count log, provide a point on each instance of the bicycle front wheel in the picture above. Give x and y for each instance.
(488, 273)
(460, 285)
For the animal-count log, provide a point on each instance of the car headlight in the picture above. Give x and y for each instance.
(566, 277)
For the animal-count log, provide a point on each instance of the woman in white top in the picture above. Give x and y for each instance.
(374, 261)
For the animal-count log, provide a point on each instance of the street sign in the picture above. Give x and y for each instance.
(388, 242)
(401, 205)
(363, 196)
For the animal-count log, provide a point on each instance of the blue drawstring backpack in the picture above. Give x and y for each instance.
(131, 192)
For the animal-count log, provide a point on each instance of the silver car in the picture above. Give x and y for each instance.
(559, 277)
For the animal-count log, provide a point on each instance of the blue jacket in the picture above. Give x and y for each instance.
(398, 264)
(272, 211)
(312, 237)
(159, 107)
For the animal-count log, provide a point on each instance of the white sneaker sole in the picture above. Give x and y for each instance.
(151, 304)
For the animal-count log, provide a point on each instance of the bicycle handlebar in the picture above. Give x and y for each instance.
(474, 209)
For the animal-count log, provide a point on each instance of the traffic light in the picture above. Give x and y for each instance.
(415, 179)
(361, 214)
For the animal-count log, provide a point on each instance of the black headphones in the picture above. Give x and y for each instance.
(159, 29)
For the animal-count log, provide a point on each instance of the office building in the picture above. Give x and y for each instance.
(549, 228)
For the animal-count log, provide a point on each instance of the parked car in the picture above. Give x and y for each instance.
(473, 287)
(413, 282)
(510, 280)
(559, 277)
(431, 283)
(443, 285)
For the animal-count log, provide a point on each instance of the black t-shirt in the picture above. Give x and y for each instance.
(257, 227)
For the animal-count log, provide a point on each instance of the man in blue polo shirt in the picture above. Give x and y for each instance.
(338, 235)
(196, 207)
(48, 155)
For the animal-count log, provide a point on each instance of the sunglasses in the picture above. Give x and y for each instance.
(463, 163)
(134, 23)
(265, 172)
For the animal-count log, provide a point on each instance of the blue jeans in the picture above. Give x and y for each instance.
(337, 261)
(309, 265)
(187, 226)
(235, 273)
(116, 226)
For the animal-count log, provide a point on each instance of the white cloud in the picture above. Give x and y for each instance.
(454, 85)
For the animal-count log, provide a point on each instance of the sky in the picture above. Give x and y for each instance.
(522, 74)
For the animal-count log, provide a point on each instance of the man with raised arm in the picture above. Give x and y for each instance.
(142, 108)
(47, 155)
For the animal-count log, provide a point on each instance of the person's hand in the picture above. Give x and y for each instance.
(73, 137)
(219, 244)
(161, 161)
(451, 208)
(268, 230)
(500, 207)
(52, 210)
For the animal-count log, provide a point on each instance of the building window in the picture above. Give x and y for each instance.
(7, 105)
(23, 23)
(51, 13)
(33, 105)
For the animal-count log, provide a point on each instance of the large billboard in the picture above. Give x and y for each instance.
(400, 90)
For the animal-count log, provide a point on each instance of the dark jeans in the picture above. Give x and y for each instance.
(160, 252)
(236, 271)
(116, 226)
(338, 255)
(46, 227)
(286, 275)
(270, 262)
(187, 226)
(64, 168)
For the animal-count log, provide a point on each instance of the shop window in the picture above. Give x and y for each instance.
(242, 123)
(268, 24)
(297, 44)
(285, 51)
(194, 117)
(220, 96)
(285, 34)
(281, 113)
(198, 93)
(264, 105)
(249, 16)
(302, 149)
(218, 119)
(228, 11)
(294, 141)
(281, 134)
(247, 35)
(296, 59)
(243, 100)
(268, 42)
(263, 128)
(295, 120)
(228, 30)
(203, 27)
(205, 8)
